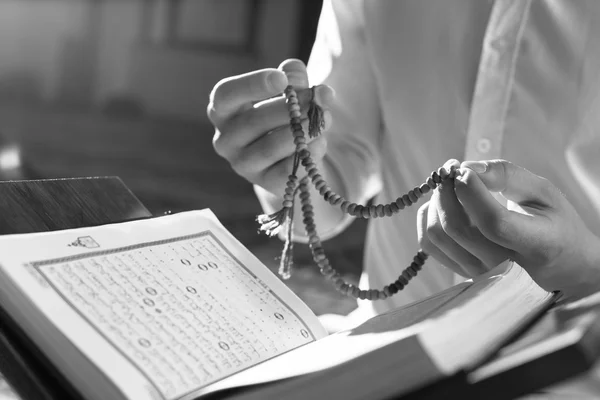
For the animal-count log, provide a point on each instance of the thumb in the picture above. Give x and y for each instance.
(514, 183)
(507, 228)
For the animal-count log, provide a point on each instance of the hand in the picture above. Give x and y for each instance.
(469, 231)
(252, 122)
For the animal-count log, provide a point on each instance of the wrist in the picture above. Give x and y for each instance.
(588, 282)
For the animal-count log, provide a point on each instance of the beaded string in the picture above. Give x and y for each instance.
(272, 223)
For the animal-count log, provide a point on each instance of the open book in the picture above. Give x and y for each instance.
(175, 307)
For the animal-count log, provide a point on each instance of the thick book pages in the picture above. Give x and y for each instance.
(176, 308)
(152, 309)
(400, 352)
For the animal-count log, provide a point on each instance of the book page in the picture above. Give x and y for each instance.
(347, 345)
(473, 326)
(176, 297)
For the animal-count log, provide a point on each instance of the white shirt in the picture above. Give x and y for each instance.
(420, 82)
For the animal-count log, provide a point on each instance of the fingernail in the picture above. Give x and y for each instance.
(276, 81)
(478, 166)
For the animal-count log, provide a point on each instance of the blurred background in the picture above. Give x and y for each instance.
(120, 87)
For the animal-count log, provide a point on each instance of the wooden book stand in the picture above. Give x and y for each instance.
(48, 205)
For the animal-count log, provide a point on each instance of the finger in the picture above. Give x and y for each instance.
(451, 163)
(271, 114)
(268, 149)
(295, 71)
(458, 226)
(436, 234)
(239, 92)
(515, 183)
(431, 249)
(274, 178)
(504, 227)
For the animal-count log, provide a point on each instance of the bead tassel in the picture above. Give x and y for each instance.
(316, 121)
(273, 222)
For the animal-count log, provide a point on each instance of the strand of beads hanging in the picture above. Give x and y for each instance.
(331, 274)
(272, 223)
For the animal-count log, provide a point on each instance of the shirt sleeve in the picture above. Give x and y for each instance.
(340, 59)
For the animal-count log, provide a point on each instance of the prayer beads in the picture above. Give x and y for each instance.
(272, 223)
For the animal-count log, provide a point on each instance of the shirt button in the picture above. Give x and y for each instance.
(484, 146)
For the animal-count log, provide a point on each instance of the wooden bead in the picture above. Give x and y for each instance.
(411, 271)
(387, 210)
(344, 288)
(289, 190)
(324, 266)
(358, 210)
(382, 295)
(351, 208)
(324, 189)
(318, 250)
(402, 280)
(313, 239)
(393, 288)
(303, 154)
(398, 285)
(417, 192)
(380, 212)
(291, 100)
(424, 188)
(412, 196)
(374, 294)
(406, 199)
(431, 183)
(418, 260)
(400, 203)
(338, 283)
(373, 211)
(436, 177)
(365, 212)
(320, 184)
(301, 146)
(295, 114)
(369, 295)
(299, 140)
(293, 107)
(307, 207)
(319, 257)
(293, 178)
(386, 291)
(287, 204)
(344, 206)
(394, 207)
(355, 291)
(307, 160)
(362, 294)
(312, 171)
(288, 197)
